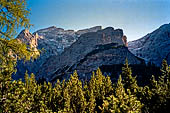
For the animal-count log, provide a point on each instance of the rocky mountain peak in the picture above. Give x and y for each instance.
(68, 47)
(154, 47)
(25, 34)
(28, 38)
(90, 51)
(92, 29)
(108, 30)
(52, 29)
(165, 27)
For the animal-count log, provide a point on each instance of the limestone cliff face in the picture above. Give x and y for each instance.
(32, 41)
(28, 38)
(153, 47)
(93, 29)
(90, 51)
(124, 38)
(51, 41)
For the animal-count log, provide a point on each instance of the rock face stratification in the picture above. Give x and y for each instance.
(51, 41)
(90, 51)
(153, 47)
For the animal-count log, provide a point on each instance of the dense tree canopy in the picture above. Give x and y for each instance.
(13, 15)
(97, 95)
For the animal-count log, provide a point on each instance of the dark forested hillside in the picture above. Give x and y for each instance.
(143, 72)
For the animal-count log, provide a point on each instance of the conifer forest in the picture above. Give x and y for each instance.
(99, 94)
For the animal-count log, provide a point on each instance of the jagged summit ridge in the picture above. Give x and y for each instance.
(28, 38)
(90, 51)
(54, 40)
(153, 47)
(92, 29)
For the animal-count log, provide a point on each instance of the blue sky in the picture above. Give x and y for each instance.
(135, 17)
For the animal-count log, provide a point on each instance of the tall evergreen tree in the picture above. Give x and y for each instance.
(57, 97)
(76, 100)
(121, 102)
(165, 71)
(13, 15)
(128, 80)
(97, 84)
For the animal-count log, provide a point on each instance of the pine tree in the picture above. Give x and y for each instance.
(129, 81)
(91, 103)
(121, 102)
(127, 102)
(13, 15)
(74, 100)
(90, 98)
(57, 97)
(108, 86)
(159, 99)
(156, 96)
(97, 85)
(110, 105)
(165, 72)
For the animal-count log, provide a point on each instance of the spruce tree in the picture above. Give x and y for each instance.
(127, 102)
(165, 70)
(74, 100)
(57, 97)
(128, 80)
(90, 98)
(97, 85)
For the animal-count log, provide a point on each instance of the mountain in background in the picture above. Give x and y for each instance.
(51, 41)
(154, 47)
(86, 50)
(91, 50)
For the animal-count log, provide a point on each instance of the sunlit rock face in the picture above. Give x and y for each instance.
(32, 40)
(124, 38)
(28, 38)
(51, 41)
(91, 50)
(153, 47)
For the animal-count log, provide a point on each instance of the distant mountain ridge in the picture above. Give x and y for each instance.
(54, 40)
(90, 51)
(154, 47)
(86, 50)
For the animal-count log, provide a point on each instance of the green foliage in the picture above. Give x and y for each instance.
(156, 96)
(13, 15)
(121, 102)
(97, 95)
(129, 81)
(15, 96)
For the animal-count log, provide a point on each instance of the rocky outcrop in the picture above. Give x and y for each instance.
(51, 41)
(153, 47)
(59, 38)
(124, 38)
(93, 29)
(28, 38)
(90, 51)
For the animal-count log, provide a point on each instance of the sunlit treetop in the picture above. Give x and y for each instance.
(13, 15)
